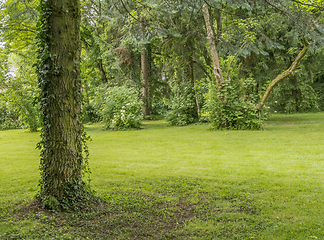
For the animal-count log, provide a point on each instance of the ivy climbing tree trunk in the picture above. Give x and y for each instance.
(59, 77)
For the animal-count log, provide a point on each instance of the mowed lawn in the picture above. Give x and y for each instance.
(266, 184)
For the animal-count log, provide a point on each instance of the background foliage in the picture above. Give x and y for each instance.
(255, 40)
(120, 108)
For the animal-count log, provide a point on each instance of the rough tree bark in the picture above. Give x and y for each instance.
(282, 76)
(61, 103)
(212, 46)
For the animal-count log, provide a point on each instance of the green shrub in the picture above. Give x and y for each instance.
(318, 86)
(121, 108)
(23, 116)
(30, 116)
(237, 111)
(19, 99)
(90, 113)
(183, 108)
(8, 117)
(295, 95)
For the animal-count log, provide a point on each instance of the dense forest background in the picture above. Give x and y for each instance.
(144, 59)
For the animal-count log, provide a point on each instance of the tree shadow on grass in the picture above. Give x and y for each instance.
(170, 211)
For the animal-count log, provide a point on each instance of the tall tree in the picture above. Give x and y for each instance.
(59, 77)
(212, 46)
(145, 75)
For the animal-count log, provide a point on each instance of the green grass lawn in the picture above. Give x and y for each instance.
(164, 182)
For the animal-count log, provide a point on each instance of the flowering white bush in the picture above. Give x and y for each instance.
(121, 108)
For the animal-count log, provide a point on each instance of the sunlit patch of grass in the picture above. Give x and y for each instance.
(165, 182)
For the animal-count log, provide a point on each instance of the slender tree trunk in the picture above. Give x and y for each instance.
(208, 64)
(219, 26)
(61, 104)
(102, 71)
(149, 79)
(206, 56)
(296, 92)
(211, 42)
(145, 76)
(192, 81)
(145, 92)
(282, 76)
(178, 77)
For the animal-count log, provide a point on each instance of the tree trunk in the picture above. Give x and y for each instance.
(59, 76)
(178, 78)
(192, 81)
(149, 74)
(145, 76)
(102, 71)
(219, 26)
(145, 92)
(282, 76)
(211, 42)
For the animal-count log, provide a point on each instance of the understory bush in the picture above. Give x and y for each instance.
(30, 116)
(318, 86)
(296, 94)
(90, 113)
(19, 98)
(232, 109)
(24, 116)
(8, 118)
(121, 108)
(183, 108)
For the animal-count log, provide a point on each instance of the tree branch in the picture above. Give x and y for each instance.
(129, 12)
(290, 71)
(290, 16)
